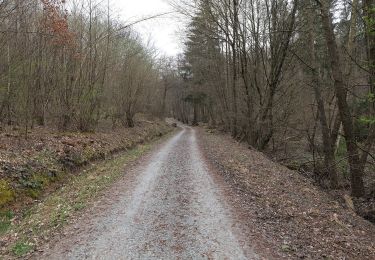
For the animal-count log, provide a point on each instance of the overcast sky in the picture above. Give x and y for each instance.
(164, 33)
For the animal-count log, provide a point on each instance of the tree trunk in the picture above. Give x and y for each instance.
(195, 119)
(163, 112)
(344, 110)
(369, 11)
(130, 120)
(328, 145)
(234, 67)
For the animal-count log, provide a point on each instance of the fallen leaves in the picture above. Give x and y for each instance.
(30, 165)
(46, 217)
(298, 218)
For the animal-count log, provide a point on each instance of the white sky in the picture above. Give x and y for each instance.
(164, 33)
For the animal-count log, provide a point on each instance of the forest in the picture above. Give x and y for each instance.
(255, 141)
(72, 66)
(269, 72)
(292, 78)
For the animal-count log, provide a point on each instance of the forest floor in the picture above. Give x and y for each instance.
(51, 175)
(285, 211)
(197, 194)
(295, 153)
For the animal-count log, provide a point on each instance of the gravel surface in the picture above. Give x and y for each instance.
(168, 207)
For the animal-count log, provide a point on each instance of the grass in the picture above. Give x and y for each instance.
(34, 173)
(341, 158)
(21, 248)
(6, 193)
(5, 221)
(44, 219)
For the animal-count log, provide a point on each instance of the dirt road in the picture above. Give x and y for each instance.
(167, 207)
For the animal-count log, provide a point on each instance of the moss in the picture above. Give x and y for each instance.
(88, 152)
(56, 210)
(6, 193)
(33, 193)
(42, 179)
(38, 182)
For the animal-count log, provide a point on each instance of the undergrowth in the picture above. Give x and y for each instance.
(48, 217)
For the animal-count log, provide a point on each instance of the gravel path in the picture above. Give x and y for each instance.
(172, 209)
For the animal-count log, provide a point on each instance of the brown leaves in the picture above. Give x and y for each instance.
(55, 22)
(301, 220)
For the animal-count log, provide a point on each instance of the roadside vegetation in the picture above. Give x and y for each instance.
(77, 86)
(24, 228)
(47, 158)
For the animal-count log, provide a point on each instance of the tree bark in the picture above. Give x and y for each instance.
(344, 110)
(328, 144)
(234, 67)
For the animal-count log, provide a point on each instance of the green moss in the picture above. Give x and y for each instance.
(38, 182)
(33, 193)
(41, 179)
(55, 211)
(89, 154)
(6, 193)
